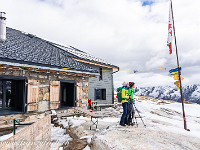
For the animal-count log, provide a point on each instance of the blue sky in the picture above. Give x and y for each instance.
(145, 3)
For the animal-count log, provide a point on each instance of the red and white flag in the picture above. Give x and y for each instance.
(169, 40)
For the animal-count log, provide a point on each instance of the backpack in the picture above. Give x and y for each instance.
(119, 94)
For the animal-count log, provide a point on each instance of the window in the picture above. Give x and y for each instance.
(12, 93)
(101, 75)
(100, 94)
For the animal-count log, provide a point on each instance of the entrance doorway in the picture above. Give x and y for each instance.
(67, 94)
(12, 95)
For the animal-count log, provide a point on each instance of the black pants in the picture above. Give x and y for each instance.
(131, 114)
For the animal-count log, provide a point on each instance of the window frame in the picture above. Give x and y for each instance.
(102, 94)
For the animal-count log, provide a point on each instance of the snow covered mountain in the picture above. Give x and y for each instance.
(190, 93)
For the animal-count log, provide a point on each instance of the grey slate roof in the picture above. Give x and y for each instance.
(26, 48)
(84, 56)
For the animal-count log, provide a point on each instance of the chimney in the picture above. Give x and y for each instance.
(2, 27)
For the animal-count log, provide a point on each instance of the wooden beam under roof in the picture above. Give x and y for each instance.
(85, 75)
(4, 67)
(11, 67)
(62, 72)
(92, 76)
(79, 74)
(92, 63)
(27, 68)
(52, 71)
(8, 66)
(41, 70)
(71, 73)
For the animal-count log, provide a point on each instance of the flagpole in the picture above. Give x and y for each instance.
(179, 72)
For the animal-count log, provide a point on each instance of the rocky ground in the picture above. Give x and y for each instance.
(164, 128)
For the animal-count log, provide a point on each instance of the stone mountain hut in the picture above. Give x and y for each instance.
(37, 75)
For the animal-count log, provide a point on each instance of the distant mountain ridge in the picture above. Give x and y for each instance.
(190, 93)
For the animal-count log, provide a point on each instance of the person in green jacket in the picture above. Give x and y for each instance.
(125, 100)
(131, 90)
(131, 108)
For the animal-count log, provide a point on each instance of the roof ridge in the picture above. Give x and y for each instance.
(88, 56)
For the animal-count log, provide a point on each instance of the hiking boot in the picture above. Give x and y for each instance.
(132, 124)
(122, 124)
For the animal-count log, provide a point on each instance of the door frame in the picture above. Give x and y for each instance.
(60, 98)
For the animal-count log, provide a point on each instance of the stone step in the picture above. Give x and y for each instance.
(3, 122)
(6, 127)
(6, 118)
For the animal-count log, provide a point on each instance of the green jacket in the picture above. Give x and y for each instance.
(130, 92)
(125, 96)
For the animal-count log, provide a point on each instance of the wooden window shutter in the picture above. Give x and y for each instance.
(54, 94)
(79, 92)
(32, 95)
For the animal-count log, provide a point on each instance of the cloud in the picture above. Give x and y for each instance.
(122, 32)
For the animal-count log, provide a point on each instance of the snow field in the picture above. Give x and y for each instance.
(164, 127)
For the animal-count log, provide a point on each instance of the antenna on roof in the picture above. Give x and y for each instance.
(2, 27)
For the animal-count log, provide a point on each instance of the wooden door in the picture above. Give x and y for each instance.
(32, 95)
(54, 94)
(79, 91)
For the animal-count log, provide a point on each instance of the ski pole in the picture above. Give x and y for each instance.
(139, 116)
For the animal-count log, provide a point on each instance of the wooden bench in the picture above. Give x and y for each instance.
(94, 104)
(100, 106)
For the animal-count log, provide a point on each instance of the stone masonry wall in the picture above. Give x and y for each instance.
(35, 136)
(44, 84)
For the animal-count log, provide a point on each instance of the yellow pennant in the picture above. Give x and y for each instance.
(177, 82)
(174, 74)
(177, 78)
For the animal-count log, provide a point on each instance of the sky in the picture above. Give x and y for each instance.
(131, 34)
